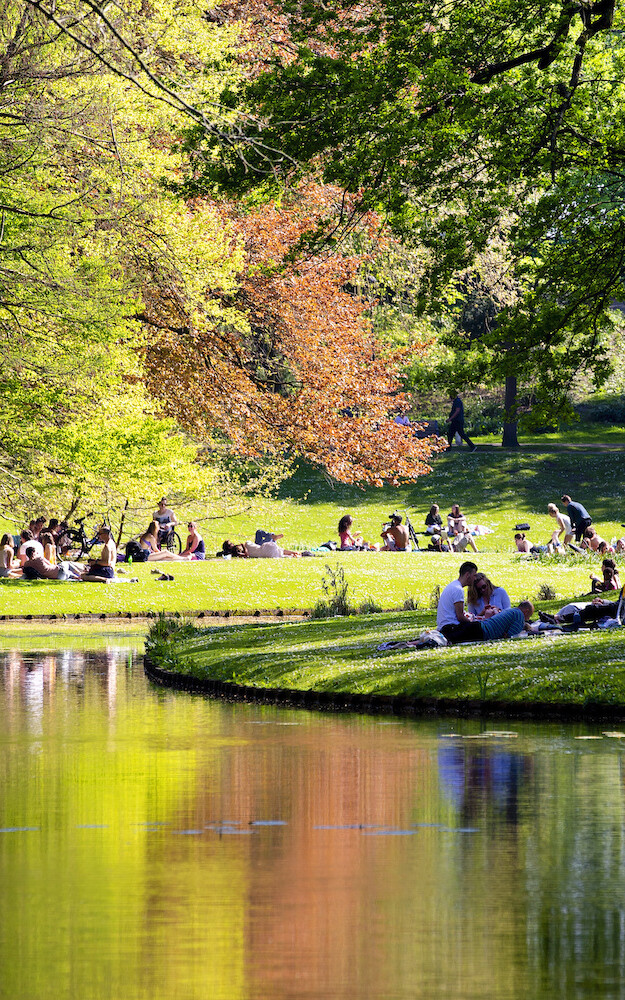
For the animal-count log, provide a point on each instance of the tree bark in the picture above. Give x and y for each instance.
(510, 439)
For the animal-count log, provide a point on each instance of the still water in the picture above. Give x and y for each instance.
(159, 845)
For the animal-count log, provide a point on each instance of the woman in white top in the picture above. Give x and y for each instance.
(564, 532)
(484, 599)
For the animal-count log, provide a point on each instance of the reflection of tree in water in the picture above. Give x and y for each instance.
(29, 678)
(482, 780)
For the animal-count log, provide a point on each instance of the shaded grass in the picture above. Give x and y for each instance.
(342, 656)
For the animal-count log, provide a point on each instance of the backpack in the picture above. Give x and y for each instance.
(135, 552)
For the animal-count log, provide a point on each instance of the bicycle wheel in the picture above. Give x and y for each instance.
(74, 540)
(173, 543)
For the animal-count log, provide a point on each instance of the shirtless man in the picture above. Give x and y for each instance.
(103, 568)
(396, 536)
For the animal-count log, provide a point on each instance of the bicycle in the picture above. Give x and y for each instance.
(77, 539)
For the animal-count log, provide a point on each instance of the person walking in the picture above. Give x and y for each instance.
(456, 422)
(579, 516)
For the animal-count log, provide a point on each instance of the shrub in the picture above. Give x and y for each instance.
(546, 592)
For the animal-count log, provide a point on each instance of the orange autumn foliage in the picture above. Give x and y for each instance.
(304, 374)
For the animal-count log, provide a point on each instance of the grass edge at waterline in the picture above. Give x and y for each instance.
(337, 663)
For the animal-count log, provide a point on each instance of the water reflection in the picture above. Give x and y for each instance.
(155, 844)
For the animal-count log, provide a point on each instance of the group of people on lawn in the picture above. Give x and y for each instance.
(489, 614)
(36, 556)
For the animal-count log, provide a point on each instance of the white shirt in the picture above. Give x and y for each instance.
(446, 611)
(268, 550)
(33, 544)
(163, 516)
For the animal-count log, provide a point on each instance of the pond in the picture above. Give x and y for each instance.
(157, 845)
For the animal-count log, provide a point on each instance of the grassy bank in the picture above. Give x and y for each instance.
(341, 655)
(496, 488)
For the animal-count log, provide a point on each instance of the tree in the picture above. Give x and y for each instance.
(451, 118)
(289, 363)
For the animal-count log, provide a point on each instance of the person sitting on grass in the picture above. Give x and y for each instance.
(39, 568)
(458, 530)
(149, 543)
(195, 548)
(434, 521)
(352, 542)
(9, 567)
(457, 626)
(592, 540)
(102, 569)
(484, 599)
(610, 579)
(26, 540)
(396, 535)
(251, 550)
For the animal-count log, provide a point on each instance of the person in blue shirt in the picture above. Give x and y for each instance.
(456, 422)
(579, 516)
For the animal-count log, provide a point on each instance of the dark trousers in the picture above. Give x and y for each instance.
(581, 526)
(463, 632)
(453, 427)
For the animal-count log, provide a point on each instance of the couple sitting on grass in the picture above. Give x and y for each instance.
(459, 626)
(36, 566)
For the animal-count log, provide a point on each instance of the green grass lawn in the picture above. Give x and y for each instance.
(494, 487)
(341, 655)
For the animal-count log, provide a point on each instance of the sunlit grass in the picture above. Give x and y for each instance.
(343, 656)
(494, 488)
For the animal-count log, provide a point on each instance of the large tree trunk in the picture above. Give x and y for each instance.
(510, 439)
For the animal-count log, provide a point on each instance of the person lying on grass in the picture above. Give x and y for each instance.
(149, 543)
(39, 568)
(250, 550)
(458, 626)
(582, 612)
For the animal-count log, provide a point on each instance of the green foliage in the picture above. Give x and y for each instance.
(335, 586)
(480, 131)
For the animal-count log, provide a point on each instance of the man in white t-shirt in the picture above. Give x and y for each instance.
(451, 618)
(27, 541)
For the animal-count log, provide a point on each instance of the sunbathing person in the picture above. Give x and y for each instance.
(102, 569)
(396, 535)
(592, 540)
(610, 579)
(195, 548)
(352, 542)
(581, 612)
(458, 530)
(526, 547)
(484, 599)
(251, 550)
(149, 543)
(39, 568)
